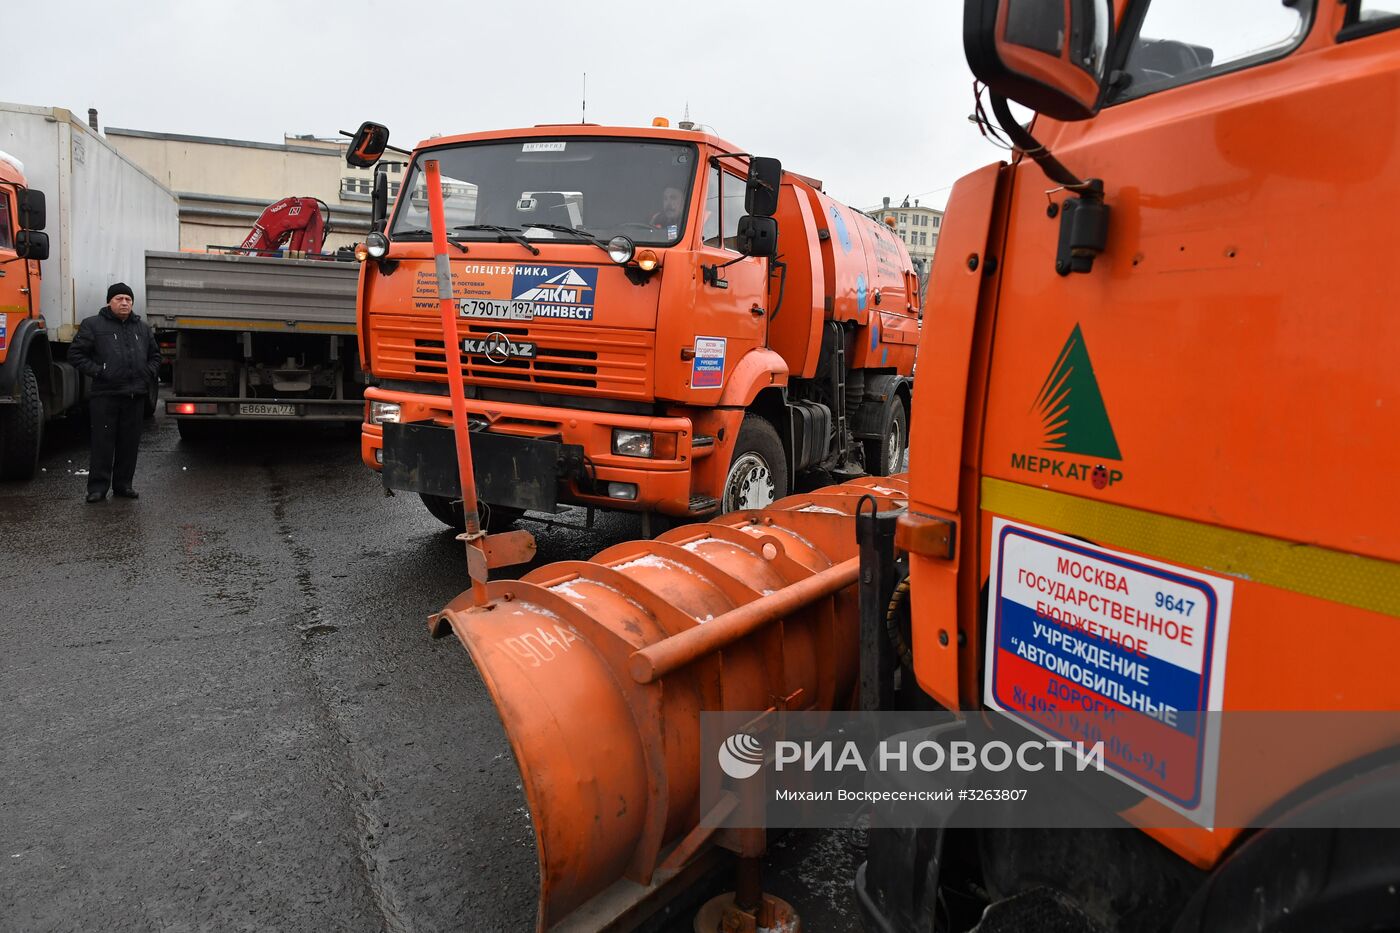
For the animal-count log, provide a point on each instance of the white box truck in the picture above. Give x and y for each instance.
(102, 213)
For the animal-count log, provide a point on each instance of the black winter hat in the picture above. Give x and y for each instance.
(120, 288)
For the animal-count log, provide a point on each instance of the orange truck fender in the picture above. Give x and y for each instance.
(758, 370)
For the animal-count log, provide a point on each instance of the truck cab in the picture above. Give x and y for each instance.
(24, 375)
(1150, 483)
(625, 343)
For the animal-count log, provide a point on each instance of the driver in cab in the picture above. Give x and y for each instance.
(668, 219)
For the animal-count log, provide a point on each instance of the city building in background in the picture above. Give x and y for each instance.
(224, 184)
(918, 227)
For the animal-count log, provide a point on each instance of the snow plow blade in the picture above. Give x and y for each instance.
(600, 670)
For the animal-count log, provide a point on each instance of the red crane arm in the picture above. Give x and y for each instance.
(296, 219)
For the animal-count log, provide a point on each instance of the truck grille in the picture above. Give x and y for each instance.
(592, 361)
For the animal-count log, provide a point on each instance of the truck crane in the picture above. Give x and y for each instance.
(300, 224)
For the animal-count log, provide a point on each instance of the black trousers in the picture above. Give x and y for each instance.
(116, 436)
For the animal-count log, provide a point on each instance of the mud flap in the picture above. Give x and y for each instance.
(897, 886)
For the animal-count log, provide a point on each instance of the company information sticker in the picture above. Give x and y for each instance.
(524, 292)
(1087, 644)
(707, 370)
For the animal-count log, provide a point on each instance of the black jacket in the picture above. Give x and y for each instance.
(121, 356)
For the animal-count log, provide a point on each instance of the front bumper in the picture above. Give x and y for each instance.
(663, 485)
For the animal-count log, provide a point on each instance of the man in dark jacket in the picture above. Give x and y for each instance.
(117, 349)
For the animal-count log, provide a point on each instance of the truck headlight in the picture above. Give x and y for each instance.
(377, 245)
(620, 250)
(383, 413)
(631, 443)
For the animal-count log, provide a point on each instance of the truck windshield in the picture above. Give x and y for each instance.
(606, 187)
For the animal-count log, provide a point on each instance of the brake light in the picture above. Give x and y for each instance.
(191, 408)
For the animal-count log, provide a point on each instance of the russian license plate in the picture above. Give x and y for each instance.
(497, 310)
(266, 408)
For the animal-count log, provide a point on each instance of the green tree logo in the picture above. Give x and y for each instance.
(1071, 407)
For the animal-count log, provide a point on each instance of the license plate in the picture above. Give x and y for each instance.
(266, 408)
(497, 310)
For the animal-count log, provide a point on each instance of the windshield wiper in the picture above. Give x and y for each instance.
(510, 233)
(576, 231)
(419, 234)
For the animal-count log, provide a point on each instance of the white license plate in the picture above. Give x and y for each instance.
(265, 408)
(497, 310)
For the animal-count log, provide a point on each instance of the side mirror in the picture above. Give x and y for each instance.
(32, 244)
(1048, 55)
(367, 144)
(379, 202)
(765, 178)
(757, 236)
(32, 215)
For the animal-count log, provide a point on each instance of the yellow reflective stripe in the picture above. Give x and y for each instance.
(1350, 579)
(13, 309)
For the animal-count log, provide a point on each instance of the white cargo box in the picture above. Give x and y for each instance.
(104, 212)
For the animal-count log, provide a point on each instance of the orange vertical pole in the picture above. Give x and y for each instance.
(452, 345)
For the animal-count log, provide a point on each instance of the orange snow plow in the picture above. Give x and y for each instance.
(600, 670)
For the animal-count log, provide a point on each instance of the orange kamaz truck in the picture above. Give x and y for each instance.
(1150, 508)
(1153, 472)
(103, 213)
(650, 320)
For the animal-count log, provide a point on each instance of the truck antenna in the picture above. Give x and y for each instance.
(583, 116)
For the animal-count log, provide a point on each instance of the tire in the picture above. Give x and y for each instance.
(885, 455)
(152, 399)
(22, 431)
(757, 474)
(449, 512)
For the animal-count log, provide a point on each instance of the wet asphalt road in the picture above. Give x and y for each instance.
(221, 709)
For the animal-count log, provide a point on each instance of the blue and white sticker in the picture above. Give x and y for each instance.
(4, 330)
(843, 233)
(707, 370)
(1087, 644)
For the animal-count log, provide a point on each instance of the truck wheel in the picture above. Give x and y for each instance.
(449, 512)
(152, 399)
(884, 456)
(758, 469)
(22, 431)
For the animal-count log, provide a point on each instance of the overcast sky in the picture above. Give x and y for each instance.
(872, 97)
